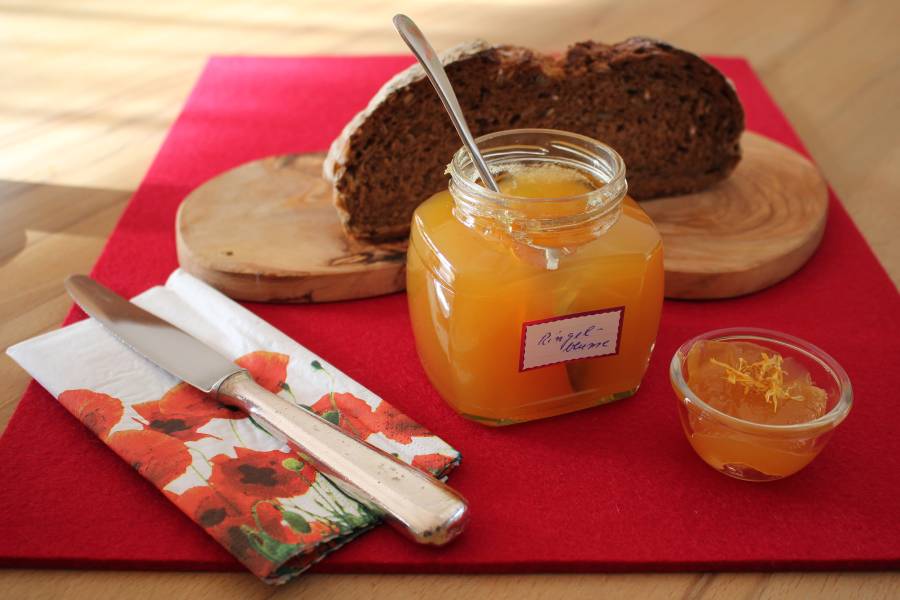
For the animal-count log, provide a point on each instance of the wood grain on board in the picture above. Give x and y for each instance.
(746, 233)
(284, 242)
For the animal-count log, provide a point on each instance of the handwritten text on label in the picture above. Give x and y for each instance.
(571, 337)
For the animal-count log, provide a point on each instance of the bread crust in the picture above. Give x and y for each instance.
(675, 119)
(335, 163)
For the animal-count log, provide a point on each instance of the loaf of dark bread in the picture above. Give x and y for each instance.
(673, 117)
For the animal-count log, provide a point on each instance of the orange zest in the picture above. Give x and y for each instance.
(765, 376)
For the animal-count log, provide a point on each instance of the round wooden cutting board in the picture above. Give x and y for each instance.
(267, 231)
(745, 233)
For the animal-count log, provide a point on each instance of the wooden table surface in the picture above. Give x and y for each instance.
(88, 90)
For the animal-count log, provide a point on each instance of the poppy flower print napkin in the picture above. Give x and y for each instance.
(258, 497)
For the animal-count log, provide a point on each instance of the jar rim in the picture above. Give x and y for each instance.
(833, 417)
(616, 180)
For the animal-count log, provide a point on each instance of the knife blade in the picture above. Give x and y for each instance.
(421, 507)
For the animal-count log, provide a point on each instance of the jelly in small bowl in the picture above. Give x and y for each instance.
(756, 404)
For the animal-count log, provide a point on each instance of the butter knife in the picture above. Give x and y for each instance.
(421, 507)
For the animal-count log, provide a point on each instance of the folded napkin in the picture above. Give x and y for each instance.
(259, 498)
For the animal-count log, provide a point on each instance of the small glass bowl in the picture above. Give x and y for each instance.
(754, 451)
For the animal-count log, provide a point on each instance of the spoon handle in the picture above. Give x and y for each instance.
(429, 60)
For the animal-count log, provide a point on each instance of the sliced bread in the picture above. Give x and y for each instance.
(674, 118)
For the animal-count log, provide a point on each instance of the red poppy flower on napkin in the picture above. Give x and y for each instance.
(257, 496)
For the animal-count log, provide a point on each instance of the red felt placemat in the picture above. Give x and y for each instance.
(608, 489)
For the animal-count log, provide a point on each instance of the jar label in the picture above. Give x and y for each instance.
(571, 337)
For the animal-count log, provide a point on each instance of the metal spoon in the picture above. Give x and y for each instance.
(429, 60)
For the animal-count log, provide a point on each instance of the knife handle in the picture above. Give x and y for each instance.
(417, 505)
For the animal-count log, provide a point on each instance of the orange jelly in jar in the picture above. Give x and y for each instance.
(756, 404)
(540, 299)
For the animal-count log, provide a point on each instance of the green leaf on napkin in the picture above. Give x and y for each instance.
(292, 464)
(267, 546)
(297, 522)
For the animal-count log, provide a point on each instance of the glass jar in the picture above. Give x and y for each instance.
(755, 451)
(528, 307)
